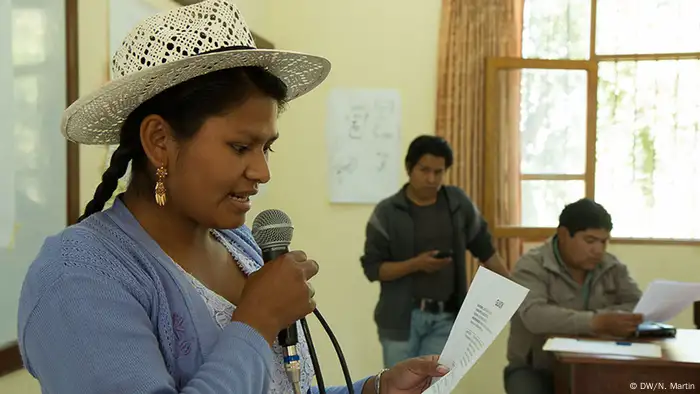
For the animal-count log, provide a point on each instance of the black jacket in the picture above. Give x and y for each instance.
(389, 238)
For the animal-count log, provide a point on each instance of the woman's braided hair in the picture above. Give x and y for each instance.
(185, 107)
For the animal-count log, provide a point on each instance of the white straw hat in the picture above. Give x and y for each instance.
(172, 47)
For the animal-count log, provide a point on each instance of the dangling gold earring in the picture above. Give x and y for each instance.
(161, 173)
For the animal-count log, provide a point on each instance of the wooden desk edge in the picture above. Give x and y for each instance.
(670, 348)
(579, 358)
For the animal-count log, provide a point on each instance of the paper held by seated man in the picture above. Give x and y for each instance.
(491, 302)
(664, 299)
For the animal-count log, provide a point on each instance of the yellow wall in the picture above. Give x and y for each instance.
(371, 44)
(374, 44)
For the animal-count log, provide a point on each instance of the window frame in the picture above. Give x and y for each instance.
(496, 64)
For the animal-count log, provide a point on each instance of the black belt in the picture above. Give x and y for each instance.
(431, 306)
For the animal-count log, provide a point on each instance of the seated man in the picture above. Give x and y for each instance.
(576, 288)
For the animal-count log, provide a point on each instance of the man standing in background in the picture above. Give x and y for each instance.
(416, 242)
(576, 288)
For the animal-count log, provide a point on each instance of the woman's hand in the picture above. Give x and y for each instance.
(277, 295)
(412, 376)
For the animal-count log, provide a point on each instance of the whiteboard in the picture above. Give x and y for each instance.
(33, 184)
(363, 133)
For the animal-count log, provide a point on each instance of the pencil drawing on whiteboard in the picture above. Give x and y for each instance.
(357, 119)
(382, 157)
(382, 121)
(345, 168)
(363, 140)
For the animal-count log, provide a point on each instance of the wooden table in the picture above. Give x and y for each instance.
(678, 371)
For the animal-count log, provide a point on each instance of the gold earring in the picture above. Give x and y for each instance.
(161, 173)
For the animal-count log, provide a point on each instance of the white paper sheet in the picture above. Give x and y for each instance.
(664, 299)
(491, 302)
(585, 346)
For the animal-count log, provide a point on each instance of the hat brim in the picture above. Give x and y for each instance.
(96, 119)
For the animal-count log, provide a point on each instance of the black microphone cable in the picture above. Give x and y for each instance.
(314, 358)
(338, 350)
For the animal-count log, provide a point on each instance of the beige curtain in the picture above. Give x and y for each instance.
(507, 163)
(471, 31)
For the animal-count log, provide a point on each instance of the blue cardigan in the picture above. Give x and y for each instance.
(103, 310)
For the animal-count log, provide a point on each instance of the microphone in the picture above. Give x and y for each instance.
(272, 231)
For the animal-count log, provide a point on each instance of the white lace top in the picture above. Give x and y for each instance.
(221, 310)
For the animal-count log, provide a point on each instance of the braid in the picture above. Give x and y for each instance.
(110, 180)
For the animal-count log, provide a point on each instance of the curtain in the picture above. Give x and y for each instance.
(470, 32)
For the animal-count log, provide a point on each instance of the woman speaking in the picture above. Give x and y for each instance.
(166, 291)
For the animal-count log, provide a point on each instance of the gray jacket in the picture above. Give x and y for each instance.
(389, 238)
(555, 303)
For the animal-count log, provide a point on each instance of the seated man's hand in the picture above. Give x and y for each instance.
(616, 324)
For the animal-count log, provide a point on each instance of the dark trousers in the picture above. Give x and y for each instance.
(527, 380)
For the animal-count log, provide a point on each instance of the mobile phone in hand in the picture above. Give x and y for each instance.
(443, 254)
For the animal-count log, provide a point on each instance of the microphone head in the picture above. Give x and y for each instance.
(272, 229)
